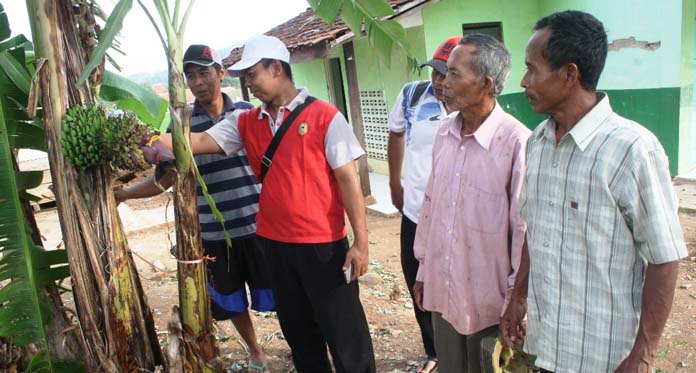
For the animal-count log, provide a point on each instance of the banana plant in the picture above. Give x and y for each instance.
(116, 324)
(198, 352)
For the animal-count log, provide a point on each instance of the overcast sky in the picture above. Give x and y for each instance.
(218, 23)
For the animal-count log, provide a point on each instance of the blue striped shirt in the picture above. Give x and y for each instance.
(230, 181)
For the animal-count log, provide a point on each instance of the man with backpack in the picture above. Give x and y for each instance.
(413, 125)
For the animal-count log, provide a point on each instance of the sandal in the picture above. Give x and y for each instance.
(427, 362)
(257, 368)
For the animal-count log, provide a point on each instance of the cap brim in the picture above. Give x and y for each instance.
(200, 63)
(439, 65)
(238, 68)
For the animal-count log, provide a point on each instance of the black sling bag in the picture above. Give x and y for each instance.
(267, 158)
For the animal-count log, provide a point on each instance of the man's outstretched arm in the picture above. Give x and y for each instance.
(201, 143)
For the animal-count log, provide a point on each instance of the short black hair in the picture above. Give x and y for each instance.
(286, 66)
(579, 38)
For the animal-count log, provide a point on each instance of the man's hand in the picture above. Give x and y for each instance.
(397, 195)
(418, 295)
(120, 194)
(154, 151)
(513, 326)
(635, 364)
(358, 257)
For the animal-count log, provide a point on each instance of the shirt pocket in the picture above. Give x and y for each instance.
(485, 211)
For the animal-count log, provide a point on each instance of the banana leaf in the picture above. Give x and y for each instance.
(383, 33)
(128, 95)
(25, 269)
(24, 313)
(4, 24)
(112, 27)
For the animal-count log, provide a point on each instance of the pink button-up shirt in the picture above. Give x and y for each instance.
(470, 234)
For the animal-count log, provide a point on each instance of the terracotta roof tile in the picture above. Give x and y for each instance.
(306, 29)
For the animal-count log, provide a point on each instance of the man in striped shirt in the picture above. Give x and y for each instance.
(233, 186)
(599, 267)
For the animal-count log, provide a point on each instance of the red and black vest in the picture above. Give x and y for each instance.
(300, 200)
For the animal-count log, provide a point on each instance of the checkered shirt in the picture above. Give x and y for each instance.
(599, 207)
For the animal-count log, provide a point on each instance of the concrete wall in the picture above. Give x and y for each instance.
(652, 87)
(311, 75)
(445, 19)
(373, 74)
(517, 18)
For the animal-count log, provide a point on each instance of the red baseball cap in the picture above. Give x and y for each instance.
(439, 61)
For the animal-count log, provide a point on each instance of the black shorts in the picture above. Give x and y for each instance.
(243, 263)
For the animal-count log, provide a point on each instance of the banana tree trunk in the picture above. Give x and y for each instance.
(198, 352)
(118, 332)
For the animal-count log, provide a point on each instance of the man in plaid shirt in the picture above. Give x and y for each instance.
(599, 266)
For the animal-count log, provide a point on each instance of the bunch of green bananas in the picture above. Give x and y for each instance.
(82, 139)
(124, 131)
(512, 360)
(91, 138)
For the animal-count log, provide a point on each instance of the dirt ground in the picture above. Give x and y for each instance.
(386, 301)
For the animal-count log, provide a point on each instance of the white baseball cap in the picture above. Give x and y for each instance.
(257, 48)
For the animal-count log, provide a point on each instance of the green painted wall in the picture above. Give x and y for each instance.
(517, 105)
(645, 86)
(652, 87)
(312, 75)
(646, 20)
(687, 120)
(445, 19)
(375, 75)
(656, 109)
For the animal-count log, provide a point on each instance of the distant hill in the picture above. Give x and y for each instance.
(152, 78)
(162, 77)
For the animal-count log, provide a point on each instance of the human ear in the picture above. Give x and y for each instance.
(277, 68)
(487, 83)
(572, 72)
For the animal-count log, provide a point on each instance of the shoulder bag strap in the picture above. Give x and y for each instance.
(267, 158)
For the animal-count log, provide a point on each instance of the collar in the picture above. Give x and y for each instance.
(486, 131)
(295, 102)
(586, 129)
(227, 105)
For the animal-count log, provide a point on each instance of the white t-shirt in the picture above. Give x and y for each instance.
(340, 144)
(420, 123)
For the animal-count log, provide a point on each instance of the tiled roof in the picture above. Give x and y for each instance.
(304, 30)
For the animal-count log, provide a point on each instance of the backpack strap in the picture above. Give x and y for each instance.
(267, 158)
(418, 91)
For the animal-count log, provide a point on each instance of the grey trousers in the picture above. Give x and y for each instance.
(457, 353)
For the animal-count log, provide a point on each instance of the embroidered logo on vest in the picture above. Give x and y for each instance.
(303, 129)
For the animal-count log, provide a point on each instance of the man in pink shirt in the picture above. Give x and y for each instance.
(469, 236)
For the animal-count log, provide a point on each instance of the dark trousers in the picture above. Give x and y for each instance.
(409, 265)
(317, 308)
(461, 353)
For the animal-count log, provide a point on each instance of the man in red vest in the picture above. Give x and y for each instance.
(307, 186)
